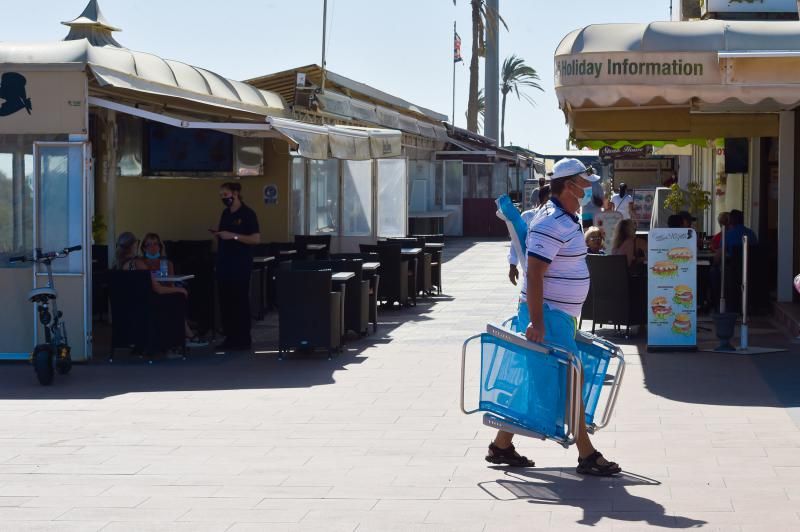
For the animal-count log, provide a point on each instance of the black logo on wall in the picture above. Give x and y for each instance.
(12, 90)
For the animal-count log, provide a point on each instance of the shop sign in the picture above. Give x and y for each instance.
(627, 151)
(662, 68)
(42, 102)
(672, 289)
(643, 164)
(749, 6)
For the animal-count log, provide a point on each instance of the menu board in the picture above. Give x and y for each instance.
(672, 289)
(607, 221)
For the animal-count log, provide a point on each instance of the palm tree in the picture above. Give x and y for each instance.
(515, 76)
(481, 110)
(482, 18)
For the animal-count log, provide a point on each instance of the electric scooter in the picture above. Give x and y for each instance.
(54, 354)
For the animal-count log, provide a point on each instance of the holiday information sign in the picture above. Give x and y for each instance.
(672, 289)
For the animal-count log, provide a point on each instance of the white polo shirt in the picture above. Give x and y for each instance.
(555, 237)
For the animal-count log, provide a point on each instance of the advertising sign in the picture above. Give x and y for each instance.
(671, 290)
(642, 209)
(34, 102)
(607, 221)
(749, 6)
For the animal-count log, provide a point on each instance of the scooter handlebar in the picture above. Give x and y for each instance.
(20, 258)
(71, 249)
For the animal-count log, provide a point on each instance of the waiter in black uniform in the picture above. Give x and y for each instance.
(237, 233)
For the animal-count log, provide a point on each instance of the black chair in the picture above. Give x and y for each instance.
(357, 296)
(424, 263)
(394, 272)
(618, 298)
(100, 280)
(143, 320)
(371, 276)
(309, 312)
(413, 265)
(195, 257)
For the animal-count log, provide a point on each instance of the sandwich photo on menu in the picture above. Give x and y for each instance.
(682, 324)
(681, 254)
(683, 296)
(660, 307)
(665, 268)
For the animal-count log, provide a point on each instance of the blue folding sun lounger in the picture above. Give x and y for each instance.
(533, 389)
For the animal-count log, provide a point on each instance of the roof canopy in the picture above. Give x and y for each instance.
(678, 79)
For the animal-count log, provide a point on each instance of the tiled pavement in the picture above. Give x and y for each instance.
(374, 439)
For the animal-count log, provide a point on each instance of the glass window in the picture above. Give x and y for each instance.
(60, 205)
(7, 225)
(500, 180)
(453, 179)
(477, 180)
(323, 196)
(129, 131)
(298, 195)
(438, 186)
(392, 197)
(249, 156)
(357, 198)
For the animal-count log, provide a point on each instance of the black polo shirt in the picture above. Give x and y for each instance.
(235, 259)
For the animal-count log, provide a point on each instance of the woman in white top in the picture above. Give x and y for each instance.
(623, 201)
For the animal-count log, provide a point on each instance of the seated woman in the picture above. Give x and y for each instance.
(152, 247)
(594, 241)
(624, 243)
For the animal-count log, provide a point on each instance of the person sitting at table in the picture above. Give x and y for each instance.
(594, 241)
(128, 260)
(624, 243)
(723, 219)
(675, 221)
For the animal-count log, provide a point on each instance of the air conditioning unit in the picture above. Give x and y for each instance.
(749, 9)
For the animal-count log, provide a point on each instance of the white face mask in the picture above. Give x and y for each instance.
(584, 199)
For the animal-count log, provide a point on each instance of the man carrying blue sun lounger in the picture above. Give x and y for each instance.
(554, 288)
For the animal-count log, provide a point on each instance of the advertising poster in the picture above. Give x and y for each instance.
(642, 210)
(672, 290)
(607, 221)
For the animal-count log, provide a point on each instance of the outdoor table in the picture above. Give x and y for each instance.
(287, 252)
(261, 265)
(370, 266)
(173, 278)
(316, 247)
(434, 245)
(411, 251)
(340, 278)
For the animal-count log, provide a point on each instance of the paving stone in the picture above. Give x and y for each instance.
(375, 440)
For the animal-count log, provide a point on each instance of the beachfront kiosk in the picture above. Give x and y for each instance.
(96, 139)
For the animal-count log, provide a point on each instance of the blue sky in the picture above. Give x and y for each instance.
(401, 47)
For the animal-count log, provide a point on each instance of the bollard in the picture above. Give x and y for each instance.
(745, 257)
(722, 276)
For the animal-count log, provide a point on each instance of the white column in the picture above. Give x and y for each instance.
(786, 171)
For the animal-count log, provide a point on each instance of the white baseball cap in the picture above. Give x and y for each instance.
(570, 167)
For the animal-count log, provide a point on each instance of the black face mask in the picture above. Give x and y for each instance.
(227, 201)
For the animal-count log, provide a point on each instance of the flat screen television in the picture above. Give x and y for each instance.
(174, 149)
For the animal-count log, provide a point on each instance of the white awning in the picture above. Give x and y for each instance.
(738, 65)
(308, 140)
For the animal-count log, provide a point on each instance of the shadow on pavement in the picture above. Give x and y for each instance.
(205, 369)
(598, 497)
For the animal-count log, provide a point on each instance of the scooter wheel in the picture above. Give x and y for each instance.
(43, 364)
